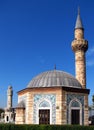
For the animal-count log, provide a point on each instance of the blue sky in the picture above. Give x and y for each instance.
(35, 35)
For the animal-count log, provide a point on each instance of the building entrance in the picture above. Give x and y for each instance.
(44, 116)
(75, 116)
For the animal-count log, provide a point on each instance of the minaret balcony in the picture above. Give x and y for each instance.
(79, 45)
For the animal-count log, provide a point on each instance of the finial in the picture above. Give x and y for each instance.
(55, 67)
(10, 86)
(78, 10)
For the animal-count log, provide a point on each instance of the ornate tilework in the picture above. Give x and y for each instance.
(75, 104)
(73, 96)
(42, 99)
(80, 98)
(44, 104)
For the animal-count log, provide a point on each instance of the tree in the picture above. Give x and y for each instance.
(93, 99)
(1, 110)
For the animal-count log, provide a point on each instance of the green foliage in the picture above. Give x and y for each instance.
(1, 110)
(44, 127)
(93, 99)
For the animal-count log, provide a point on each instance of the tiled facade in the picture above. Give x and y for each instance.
(58, 101)
(44, 101)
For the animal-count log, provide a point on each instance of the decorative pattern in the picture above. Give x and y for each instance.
(80, 98)
(80, 45)
(75, 104)
(75, 96)
(44, 104)
(40, 100)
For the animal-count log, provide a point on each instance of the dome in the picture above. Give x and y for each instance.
(21, 105)
(54, 78)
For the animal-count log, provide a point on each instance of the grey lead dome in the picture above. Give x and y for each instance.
(54, 78)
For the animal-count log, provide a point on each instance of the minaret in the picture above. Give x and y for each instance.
(80, 46)
(9, 97)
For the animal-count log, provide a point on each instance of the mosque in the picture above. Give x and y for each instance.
(55, 96)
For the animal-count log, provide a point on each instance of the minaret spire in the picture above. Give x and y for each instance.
(78, 21)
(80, 46)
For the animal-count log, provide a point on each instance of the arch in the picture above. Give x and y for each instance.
(44, 104)
(7, 118)
(76, 102)
(44, 101)
(75, 106)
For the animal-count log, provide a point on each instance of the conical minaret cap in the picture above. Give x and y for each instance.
(79, 24)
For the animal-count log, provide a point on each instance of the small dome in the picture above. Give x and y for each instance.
(21, 105)
(54, 78)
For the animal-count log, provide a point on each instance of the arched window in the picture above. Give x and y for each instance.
(75, 104)
(75, 112)
(44, 104)
(44, 112)
(7, 118)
